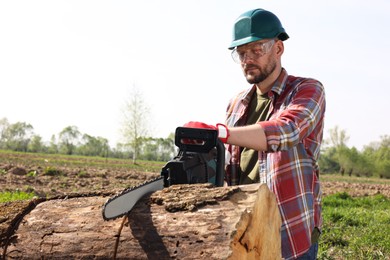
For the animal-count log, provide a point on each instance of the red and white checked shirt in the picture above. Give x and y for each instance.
(289, 166)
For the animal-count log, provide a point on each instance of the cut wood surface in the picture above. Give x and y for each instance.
(179, 222)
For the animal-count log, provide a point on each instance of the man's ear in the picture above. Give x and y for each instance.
(279, 48)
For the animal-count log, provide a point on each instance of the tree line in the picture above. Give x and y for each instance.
(20, 137)
(336, 156)
(137, 143)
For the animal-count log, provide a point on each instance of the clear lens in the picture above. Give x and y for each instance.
(235, 56)
(256, 51)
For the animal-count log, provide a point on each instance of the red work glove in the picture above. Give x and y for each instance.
(223, 131)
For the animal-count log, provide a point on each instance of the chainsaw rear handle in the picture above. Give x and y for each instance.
(198, 140)
(202, 140)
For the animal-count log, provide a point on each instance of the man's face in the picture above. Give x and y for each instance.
(257, 60)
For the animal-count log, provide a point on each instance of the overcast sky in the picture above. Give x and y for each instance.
(68, 63)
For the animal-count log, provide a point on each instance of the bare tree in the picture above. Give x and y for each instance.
(135, 121)
(338, 137)
(4, 124)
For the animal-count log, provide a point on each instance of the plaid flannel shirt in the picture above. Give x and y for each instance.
(289, 166)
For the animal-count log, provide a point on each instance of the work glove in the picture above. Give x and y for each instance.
(223, 131)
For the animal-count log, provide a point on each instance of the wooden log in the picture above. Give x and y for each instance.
(180, 222)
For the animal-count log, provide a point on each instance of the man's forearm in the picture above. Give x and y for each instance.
(251, 136)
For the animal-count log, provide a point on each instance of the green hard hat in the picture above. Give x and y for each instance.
(255, 25)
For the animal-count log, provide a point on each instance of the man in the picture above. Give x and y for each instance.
(274, 131)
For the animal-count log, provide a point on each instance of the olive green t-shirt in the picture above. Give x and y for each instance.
(249, 163)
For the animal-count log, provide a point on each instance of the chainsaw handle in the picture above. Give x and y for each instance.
(200, 140)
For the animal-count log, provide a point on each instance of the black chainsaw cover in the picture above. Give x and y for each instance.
(190, 168)
(200, 158)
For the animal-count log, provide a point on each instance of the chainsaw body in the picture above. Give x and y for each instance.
(201, 158)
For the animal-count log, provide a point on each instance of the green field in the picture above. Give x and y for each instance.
(355, 227)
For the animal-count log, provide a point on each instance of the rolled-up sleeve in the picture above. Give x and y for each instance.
(297, 117)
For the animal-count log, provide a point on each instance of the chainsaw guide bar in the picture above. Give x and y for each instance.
(122, 203)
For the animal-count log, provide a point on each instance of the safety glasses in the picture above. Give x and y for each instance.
(252, 51)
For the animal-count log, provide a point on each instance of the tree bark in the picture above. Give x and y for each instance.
(179, 222)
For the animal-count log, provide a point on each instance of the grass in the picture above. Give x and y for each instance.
(7, 196)
(355, 227)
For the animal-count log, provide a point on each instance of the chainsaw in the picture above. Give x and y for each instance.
(201, 159)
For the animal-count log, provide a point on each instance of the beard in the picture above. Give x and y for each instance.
(262, 73)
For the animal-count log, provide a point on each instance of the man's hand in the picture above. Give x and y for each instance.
(195, 124)
(223, 131)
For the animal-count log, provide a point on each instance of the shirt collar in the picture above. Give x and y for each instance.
(280, 82)
(277, 88)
